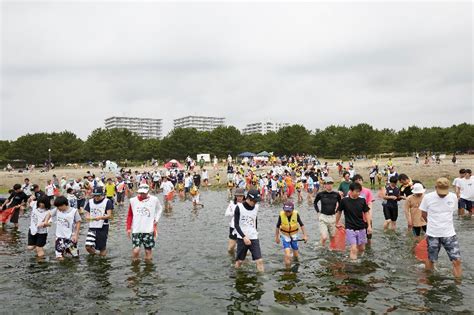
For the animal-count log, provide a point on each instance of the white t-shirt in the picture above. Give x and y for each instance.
(390, 175)
(352, 173)
(76, 186)
(37, 217)
(456, 180)
(188, 182)
(204, 175)
(229, 212)
(26, 189)
(145, 214)
(274, 185)
(167, 187)
(65, 221)
(467, 188)
(440, 214)
(49, 190)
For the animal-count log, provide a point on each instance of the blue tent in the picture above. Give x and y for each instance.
(246, 154)
(264, 154)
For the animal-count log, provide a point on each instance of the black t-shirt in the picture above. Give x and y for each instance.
(16, 198)
(406, 191)
(230, 169)
(353, 212)
(328, 200)
(109, 206)
(392, 192)
(197, 179)
(180, 177)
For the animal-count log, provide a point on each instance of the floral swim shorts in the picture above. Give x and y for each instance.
(145, 239)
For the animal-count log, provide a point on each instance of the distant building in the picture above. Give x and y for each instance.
(201, 123)
(147, 128)
(263, 127)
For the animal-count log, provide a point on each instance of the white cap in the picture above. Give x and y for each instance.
(143, 189)
(418, 189)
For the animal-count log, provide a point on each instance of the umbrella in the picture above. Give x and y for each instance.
(264, 154)
(173, 164)
(246, 154)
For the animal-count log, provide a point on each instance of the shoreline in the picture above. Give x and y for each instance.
(425, 173)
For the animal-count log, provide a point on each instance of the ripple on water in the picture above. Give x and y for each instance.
(192, 272)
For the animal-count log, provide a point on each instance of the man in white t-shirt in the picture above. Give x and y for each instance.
(144, 213)
(465, 192)
(438, 208)
(167, 188)
(26, 187)
(462, 173)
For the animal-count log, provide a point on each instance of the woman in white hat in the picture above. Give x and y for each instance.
(412, 211)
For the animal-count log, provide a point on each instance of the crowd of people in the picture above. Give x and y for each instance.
(283, 183)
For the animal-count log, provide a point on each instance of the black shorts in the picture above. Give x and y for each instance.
(15, 216)
(97, 238)
(390, 212)
(232, 235)
(465, 204)
(38, 239)
(254, 249)
(417, 230)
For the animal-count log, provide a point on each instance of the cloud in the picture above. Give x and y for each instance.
(71, 65)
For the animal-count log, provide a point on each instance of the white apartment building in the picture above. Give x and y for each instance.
(147, 128)
(201, 123)
(263, 127)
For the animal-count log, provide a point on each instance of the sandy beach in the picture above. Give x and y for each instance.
(425, 173)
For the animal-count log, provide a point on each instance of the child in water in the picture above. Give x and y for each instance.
(68, 224)
(287, 229)
(38, 232)
(195, 195)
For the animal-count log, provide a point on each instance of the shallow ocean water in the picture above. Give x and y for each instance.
(192, 272)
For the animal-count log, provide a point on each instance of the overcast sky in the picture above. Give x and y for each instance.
(71, 65)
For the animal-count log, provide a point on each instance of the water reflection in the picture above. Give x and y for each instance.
(10, 240)
(142, 277)
(250, 291)
(288, 285)
(439, 293)
(99, 272)
(347, 280)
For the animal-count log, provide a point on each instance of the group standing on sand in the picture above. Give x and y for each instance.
(348, 208)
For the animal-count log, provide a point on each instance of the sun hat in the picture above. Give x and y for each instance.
(418, 189)
(442, 186)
